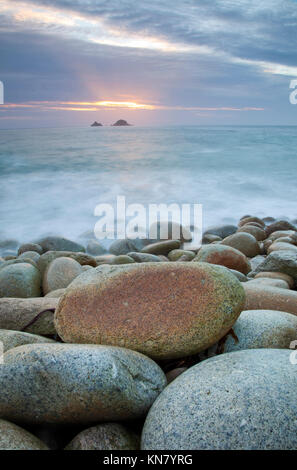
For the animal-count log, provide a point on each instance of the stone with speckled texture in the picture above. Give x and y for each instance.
(280, 261)
(12, 339)
(164, 310)
(243, 242)
(107, 436)
(244, 400)
(256, 329)
(264, 297)
(161, 247)
(224, 256)
(15, 314)
(12, 437)
(71, 383)
(20, 280)
(60, 273)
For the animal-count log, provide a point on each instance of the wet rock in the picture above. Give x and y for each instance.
(270, 275)
(15, 314)
(256, 261)
(108, 436)
(86, 268)
(12, 437)
(95, 248)
(269, 282)
(247, 220)
(60, 273)
(257, 232)
(164, 310)
(225, 256)
(82, 258)
(268, 220)
(221, 231)
(175, 255)
(162, 247)
(123, 259)
(56, 294)
(281, 234)
(280, 261)
(71, 383)
(20, 280)
(162, 230)
(30, 247)
(59, 244)
(257, 329)
(241, 277)
(280, 225)
(12, 339)
(144, 257)
(243, 242)
(244, 400)
(29, 255)
(104, 259)
(210, 238)
(15, 260)
(263, 297)
(281, 246)
(122, 247)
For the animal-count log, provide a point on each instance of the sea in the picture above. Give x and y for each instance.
(52, 179)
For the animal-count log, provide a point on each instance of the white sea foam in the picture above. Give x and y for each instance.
(51, 180)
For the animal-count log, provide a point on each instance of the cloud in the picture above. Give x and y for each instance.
(204, 57)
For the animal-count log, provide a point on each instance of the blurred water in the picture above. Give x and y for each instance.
(52, 179)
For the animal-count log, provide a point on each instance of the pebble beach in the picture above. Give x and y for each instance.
(150, 345)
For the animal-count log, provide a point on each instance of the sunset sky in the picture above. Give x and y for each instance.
(157, 62)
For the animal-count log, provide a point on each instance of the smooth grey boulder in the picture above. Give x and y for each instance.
(244, 242)
(30, 255)
(122, 247)
(14, 260)
(257, 329)
(60, 273)
(255, 262)
(144, 257)
(107, 436)
(222, 231)
(56, 294)
(244, 400)
(168, 230)
(82, 258)
(279, 225)
(30, 247)
(161, 247)
(241, 277)
(122, 259)
(17, 314)
(12, 339)
(20, 280)
(12, 437)
(77, 383)
(95, 248)
(59, 244)
(280, 261)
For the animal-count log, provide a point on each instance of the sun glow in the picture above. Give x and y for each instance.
(92, 106)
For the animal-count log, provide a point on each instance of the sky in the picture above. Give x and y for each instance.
(157, 62)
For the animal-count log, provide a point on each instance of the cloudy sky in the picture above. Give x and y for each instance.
(69, 62)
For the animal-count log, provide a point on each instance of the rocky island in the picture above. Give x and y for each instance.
(121, 122)
(96, 124)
